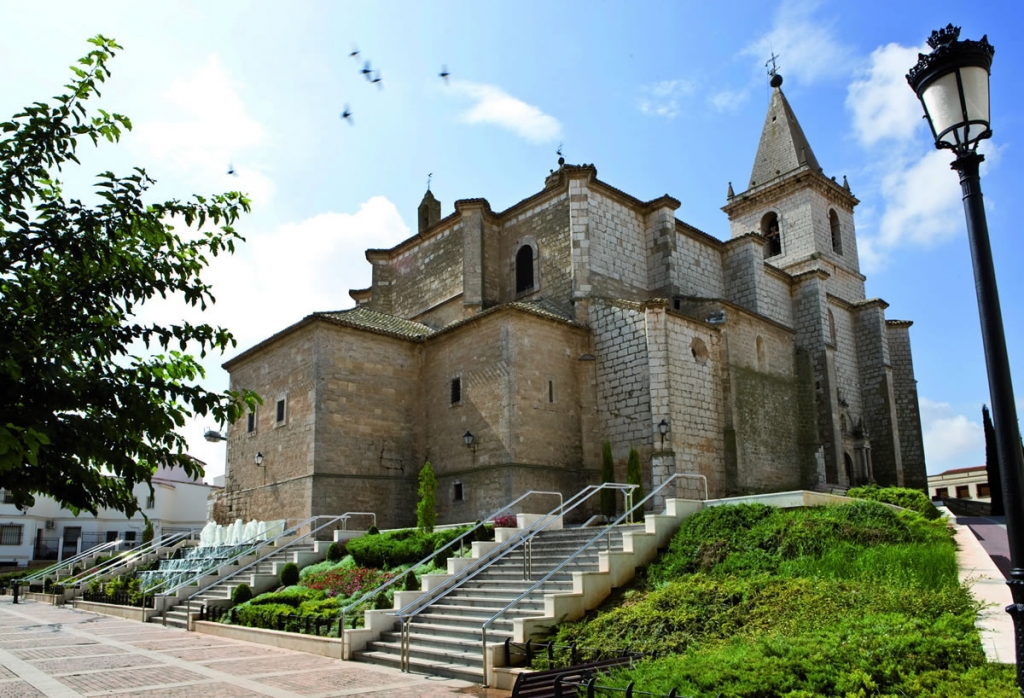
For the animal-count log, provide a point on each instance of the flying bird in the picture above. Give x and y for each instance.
(367, 71)
(355, 52)
(444, 73)
(377, 80)
(232, 171)
(559, 151)
(346, 115)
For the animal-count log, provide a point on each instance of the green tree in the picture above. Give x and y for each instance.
(426, 508)
(607, 475)
(77, 401)
(147, 532)
(633, 474)
(995, 482)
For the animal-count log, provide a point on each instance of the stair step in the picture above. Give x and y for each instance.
(416, 665)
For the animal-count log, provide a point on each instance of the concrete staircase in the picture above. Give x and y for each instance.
(445, 638)
(262, 577)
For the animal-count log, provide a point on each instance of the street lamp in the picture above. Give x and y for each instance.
(952, 84)
(214, 436)
(258, 459)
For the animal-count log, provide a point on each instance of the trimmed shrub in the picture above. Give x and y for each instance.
(241, 594)
(426, 508)
(290, 574)
(633, 474)
(372, 530)
(410, 583)
(915, 500)
(263, 615)
(291, 596)
(382, 602)
(334, 552)
(147, 532)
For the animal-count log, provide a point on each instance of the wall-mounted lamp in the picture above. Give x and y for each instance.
(214, 436)
(663, 429)
(468, 439)
(258, 459)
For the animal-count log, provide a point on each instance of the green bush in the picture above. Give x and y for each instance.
(290, 574)
(915, 500)
(410, 583)
(404, 547)
(322, 608)
(334, 552)
(347, 562)
(240, 594)
(426, 508)
(290, 596)
(264, 615)
(147, 532)
(382, 602)
(372, 530)
(633, 474)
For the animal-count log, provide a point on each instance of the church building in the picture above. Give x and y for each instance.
(505, 347)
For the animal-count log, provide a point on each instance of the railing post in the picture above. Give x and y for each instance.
(483, 654)
(590, 686)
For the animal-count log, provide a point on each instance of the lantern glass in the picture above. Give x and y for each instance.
(953, 122)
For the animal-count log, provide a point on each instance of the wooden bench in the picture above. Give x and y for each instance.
(542, 684)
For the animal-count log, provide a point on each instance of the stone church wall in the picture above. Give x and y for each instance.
(427, 273)
(283, 370)
(776, 301)
(907, 408)
(697, 267)
(618, 248)
(877, 394)
(547, 226)
(365, 437)
(846, 363)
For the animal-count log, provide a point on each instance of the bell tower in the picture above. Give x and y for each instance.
(805, 217)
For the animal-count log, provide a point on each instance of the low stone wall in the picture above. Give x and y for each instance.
(109, 609)
(311, 644)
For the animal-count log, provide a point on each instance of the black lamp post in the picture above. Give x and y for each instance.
(663, 429)
(952, 84)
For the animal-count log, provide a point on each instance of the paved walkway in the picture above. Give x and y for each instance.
(61, 652)
(983, 552)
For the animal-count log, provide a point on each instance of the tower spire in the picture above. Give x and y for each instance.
(783, 147)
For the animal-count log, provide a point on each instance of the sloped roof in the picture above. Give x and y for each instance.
(783, 147)
(366, 319)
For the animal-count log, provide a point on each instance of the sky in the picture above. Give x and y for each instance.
(662, 97)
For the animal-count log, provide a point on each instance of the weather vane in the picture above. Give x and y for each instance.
(429, 177)
(774, 68)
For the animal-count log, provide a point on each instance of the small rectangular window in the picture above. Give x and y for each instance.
(8, 498)
(280, 411)
(983, 490)
(963, 492)
(10, 534)
(151, 501)
(251, 423)
(111, 536)
(456, 390)
(129, 536)
(941, 493)
(458, 491)
(551, 391)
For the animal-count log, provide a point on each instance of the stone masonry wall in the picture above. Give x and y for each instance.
(283, 370)
(547, 225)
(908, 412)
(367, 414)
(618, 248)
(623, 383)
(425, 274)
(697, 267)
(810, 313)
(878, 395)
(776, 299)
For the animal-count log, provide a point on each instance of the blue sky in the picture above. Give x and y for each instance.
(662, 97)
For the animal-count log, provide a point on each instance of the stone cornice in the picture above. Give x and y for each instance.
(804, 177)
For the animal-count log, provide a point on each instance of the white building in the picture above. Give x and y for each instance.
(961, 483)
(46, 531)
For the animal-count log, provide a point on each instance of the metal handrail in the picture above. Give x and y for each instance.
(251, 544)
(525, 537)
(372, 593)
(312, 531)
(344, 517)
(73, 560)
(605, 532)
(115, 563)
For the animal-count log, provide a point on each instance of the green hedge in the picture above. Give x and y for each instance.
(291, 596)
(403, 547)
(915, 500)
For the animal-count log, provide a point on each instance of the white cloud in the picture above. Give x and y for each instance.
(497, 107)
(809, 48)
(208, 128)
(728, 100)
(662, 98)
(883, 105)
(950, 440)
(921, 203)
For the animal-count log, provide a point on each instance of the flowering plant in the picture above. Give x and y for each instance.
(505, 522)
(347, 582)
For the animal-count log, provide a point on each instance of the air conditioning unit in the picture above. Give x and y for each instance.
(51, 524)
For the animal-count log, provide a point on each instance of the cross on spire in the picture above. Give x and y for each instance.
(774, 69)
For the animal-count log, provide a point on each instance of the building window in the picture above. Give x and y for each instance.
(941, 493)
(111, 536)
(281, 413)
(10, 534)
(129, 536)
(6, 497)
(983, 490)
(151, 501)
(772, 234)
(524, 269)
(457, 493)
(456, 391)
(963, 492)
(250, 425)
(551, 391)
(837, 238)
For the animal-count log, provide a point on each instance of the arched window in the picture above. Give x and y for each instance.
(762, 358)
(771, 233)
(837, 238)
(524, 269)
